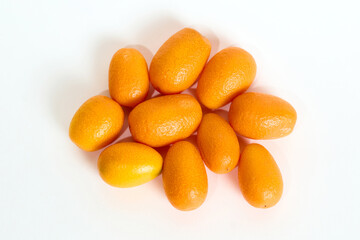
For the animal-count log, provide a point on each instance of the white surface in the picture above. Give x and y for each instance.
(55, 54)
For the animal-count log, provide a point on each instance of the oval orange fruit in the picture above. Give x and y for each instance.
(261, 116)
(128, 77)
(129, 164)
(184, 176)
(163, 120)
(179, 61)
(218, 144)
(259, 177)
(96, 123)
(229, 73)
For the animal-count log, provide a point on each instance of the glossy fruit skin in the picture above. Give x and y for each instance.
(163, 120)
(184, 176)
(128, 77)
(259, 177)
(179, 61)
(129, 164)
(96, 123)
(229, 73)
(261, 116)
(218, 144)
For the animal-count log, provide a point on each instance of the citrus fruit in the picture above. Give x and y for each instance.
(184, 176)
(163, 120)
(129, 164)
(96, 123)
(259, 177)
(179, 61)
(218, 144)
(261, 116)
(229, 73)
(128, 77)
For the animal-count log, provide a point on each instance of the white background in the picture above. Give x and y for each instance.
(55, 54)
